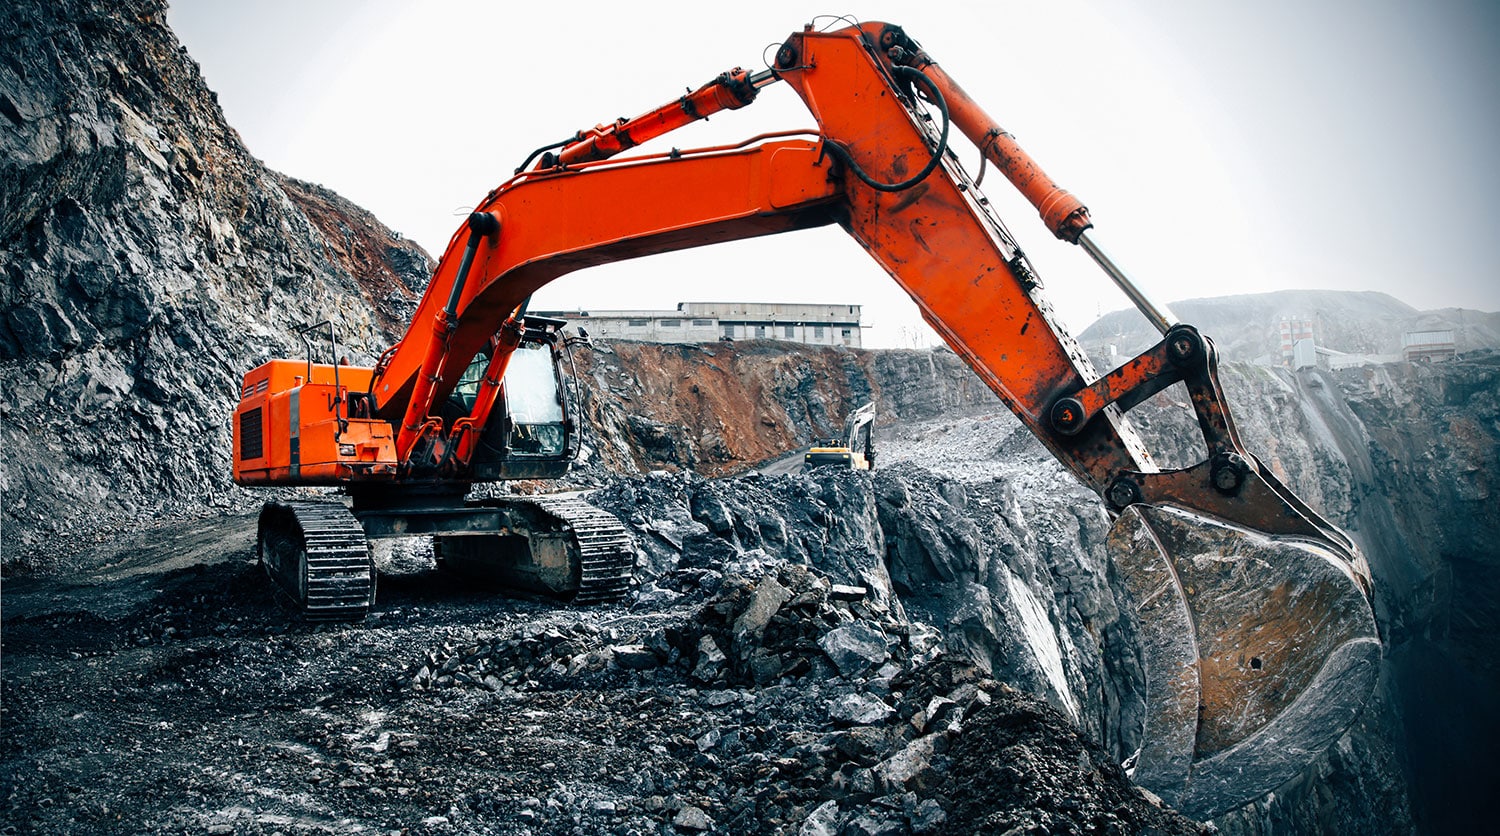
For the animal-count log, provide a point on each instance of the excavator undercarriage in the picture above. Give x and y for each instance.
(559, 546)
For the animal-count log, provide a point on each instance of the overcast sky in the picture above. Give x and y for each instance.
(1221, 147)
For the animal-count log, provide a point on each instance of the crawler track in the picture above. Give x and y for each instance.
(316, 552)
(559, 546)
(604, 550)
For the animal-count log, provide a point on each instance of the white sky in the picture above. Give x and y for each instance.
(1221, 147)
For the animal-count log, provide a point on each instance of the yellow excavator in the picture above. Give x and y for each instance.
(855, 451)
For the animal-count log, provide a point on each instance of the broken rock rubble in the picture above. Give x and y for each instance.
(794, 708)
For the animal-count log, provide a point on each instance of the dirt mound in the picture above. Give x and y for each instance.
(1020, 767)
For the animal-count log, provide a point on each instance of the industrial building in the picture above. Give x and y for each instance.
(1294, 331)
(809, 324)
(1300, 349)
(1423, 346)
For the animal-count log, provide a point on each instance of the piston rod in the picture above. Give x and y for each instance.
(1160, 315)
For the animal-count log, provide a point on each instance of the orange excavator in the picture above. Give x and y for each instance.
(1255, 625)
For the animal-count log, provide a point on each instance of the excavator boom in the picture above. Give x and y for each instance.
(1257, 634)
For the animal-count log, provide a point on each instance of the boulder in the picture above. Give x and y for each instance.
(859, 710)
(855, 648)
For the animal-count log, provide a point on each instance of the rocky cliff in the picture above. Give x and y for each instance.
(148, 261)
(1403, 457)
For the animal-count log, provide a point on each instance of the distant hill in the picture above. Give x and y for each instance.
(1246, 327)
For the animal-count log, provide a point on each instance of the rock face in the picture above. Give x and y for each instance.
(722, 407)
(1404, 457)
(1401, 456)
(148, 261)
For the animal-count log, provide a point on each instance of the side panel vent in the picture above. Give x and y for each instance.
(252, 439)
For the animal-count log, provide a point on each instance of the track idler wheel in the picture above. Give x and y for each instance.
(1259, 652)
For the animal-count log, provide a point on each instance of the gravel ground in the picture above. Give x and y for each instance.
(165, 690)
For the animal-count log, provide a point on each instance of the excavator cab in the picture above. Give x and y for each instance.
(536, 436)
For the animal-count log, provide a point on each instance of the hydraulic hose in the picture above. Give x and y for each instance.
(847, 159)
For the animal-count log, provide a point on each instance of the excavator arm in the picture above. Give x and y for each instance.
(1256, 629)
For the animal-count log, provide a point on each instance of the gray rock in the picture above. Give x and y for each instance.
(712, 512)
(928, 817)
(769, 596)
(591, 662)
(636, 657)
(766, 665)
(822, 821)
(708, 740)
(875, 823)
(652, 598)
(710, 667)
(855, 647)
(845, 592)
(864, 745)
(719, 699)
(853, 780)
(937, 713)
(908, 768)
(692, 818)
(925, 641)
(859, 710)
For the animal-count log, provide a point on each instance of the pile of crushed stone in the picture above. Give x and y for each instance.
(763, 678)
(787, 702)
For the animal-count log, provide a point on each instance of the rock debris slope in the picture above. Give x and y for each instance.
(765, 679)
(148, 261)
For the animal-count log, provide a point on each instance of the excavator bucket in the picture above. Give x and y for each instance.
(1259, 651)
